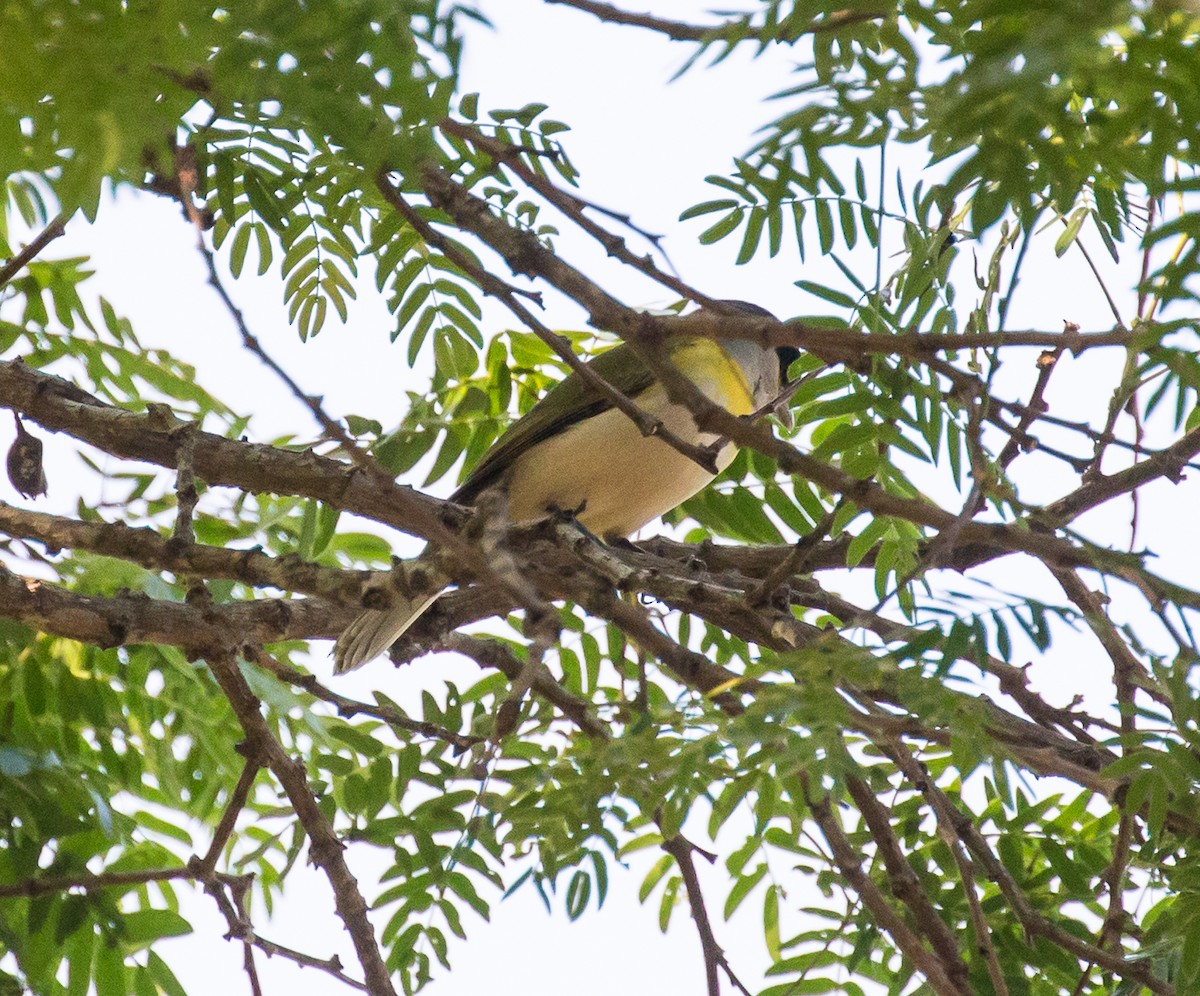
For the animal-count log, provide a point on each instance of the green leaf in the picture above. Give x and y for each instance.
(722, 228)
(578, 892)
(826, 293)
(743, 885)
(755, 219)
(1071, 232)
(824, 225)
(110, 975)
(771, 922)
(237, 252)
(163, 976)
(80, 949)
(708, 207)
(145, 926)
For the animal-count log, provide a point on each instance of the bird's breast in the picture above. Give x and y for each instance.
(616, 479)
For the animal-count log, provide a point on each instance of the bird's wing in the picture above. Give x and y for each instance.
(570, 401)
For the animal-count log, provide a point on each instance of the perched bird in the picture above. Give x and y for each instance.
(575, 451)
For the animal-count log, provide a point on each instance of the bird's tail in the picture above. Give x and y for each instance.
(374, 631)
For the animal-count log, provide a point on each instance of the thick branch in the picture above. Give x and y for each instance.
(257, 468)
(150, 549)
(131, 618)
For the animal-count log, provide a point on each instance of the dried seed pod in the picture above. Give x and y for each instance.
(25, 469)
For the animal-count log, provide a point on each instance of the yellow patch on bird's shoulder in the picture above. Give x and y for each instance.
(715, 372)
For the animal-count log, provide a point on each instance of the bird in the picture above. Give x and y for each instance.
(575, 451)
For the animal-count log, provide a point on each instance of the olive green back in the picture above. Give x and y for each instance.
(567, 403)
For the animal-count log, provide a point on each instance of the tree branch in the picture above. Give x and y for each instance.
(256, 468)
(46, 884)
(47, 235)
(132, 618)
(675, 30)
(681, 849)
(573, 206)
(961, 827)
(351, 707)
(150, 549)
(237, 801)
(497, 655)
(325, 849)
(848, 862)
(680, 31)
(196, 870)
(906, 886)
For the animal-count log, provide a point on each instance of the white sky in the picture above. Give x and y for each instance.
(643, 146)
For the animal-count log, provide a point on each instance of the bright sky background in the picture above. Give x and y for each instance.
(643, 146)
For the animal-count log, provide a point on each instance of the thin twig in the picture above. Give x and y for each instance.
(904, 883)
(796, 559)
(675, 30)
(947, 539)
(681, 849)
(964, 383)
(1128, 672)
(681, 31)
(348, 707)
(964, 829)
(229, 893)
(224, 831)
(848, 861)
(47, 235)
(325, 849)
(331, 966)
(983, 933)
(333, 429)
(1128, 675)
(1144, 314)
(44, 885)
(497, 655)
(574, 207)
(1112, 305)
